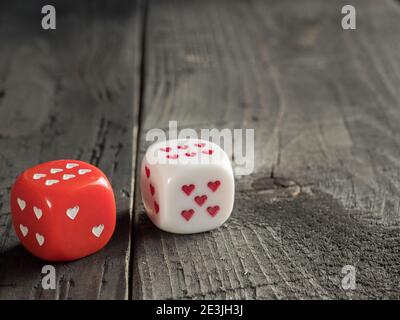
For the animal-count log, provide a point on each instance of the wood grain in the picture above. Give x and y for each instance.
(69, 93)
(324, 105)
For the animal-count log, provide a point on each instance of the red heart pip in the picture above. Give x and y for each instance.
(187, 185)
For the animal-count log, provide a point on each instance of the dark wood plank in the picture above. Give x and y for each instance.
(69, 93)
(324, 104)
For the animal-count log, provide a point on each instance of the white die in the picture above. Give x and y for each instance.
(187, 185)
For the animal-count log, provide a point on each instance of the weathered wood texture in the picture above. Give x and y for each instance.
(324, 103)
(69, 93)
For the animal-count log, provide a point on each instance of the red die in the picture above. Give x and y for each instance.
(63, 210)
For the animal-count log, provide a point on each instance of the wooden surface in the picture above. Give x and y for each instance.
(324, 104)
(69, 93)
